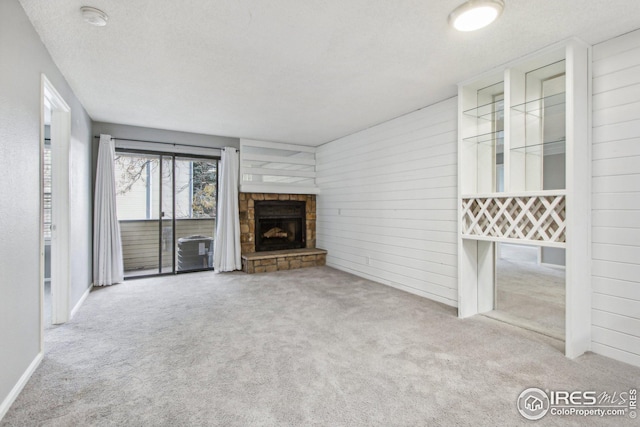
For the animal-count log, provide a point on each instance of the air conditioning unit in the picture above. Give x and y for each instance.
(195, 253)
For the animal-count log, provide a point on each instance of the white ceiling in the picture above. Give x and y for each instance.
(294, 71)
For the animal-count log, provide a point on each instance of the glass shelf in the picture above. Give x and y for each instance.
(487, 111)
(496, 138)
(487, 138)
(547, 148)
(553, 104)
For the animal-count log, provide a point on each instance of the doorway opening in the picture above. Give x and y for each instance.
(54, 195)
(166, 207)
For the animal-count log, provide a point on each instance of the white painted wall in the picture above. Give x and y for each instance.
(387, 203)
(616, 198)
(24, 58)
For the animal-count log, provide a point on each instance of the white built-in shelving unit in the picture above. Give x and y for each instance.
(523, 175)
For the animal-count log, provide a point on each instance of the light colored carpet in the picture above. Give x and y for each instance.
(295, 348)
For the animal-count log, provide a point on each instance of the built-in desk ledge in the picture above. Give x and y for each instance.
(290, 259)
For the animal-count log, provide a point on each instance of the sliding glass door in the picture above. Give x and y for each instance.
(166, 209)
(196, 195)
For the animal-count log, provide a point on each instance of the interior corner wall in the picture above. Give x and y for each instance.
(387, 208)
(615, 212)
(24, 59)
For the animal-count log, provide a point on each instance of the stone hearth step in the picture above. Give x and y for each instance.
(263, 262)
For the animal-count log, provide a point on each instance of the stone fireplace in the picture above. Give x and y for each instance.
(247, 207)
(278, 232)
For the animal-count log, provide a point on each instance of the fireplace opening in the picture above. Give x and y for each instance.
(280, 224)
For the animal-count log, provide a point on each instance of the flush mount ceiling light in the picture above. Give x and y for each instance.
(94, 16)
(475, 14)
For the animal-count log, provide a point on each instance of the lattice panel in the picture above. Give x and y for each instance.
(533, 218)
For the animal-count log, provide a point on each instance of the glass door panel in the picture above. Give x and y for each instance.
(195, 203)
(137, 202)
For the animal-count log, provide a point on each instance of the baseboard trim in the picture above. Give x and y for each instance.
(80, 301)
(404, 288)
(17, 389)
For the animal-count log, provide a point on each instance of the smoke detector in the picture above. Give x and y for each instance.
(94, 16)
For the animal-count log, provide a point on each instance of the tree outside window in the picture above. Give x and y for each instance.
(138, 181)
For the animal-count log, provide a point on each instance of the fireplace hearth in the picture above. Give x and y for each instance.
(279, 224)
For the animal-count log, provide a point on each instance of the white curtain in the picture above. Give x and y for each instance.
(107, 246)
(226, 252)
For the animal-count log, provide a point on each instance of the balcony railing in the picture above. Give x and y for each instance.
(141, 242)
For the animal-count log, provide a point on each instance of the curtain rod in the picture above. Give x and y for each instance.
(165, 143)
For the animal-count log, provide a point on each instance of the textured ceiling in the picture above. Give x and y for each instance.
(293, 71)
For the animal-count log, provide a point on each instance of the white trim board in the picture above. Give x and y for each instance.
(17, 389)
(80, 302)
(278, 189)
